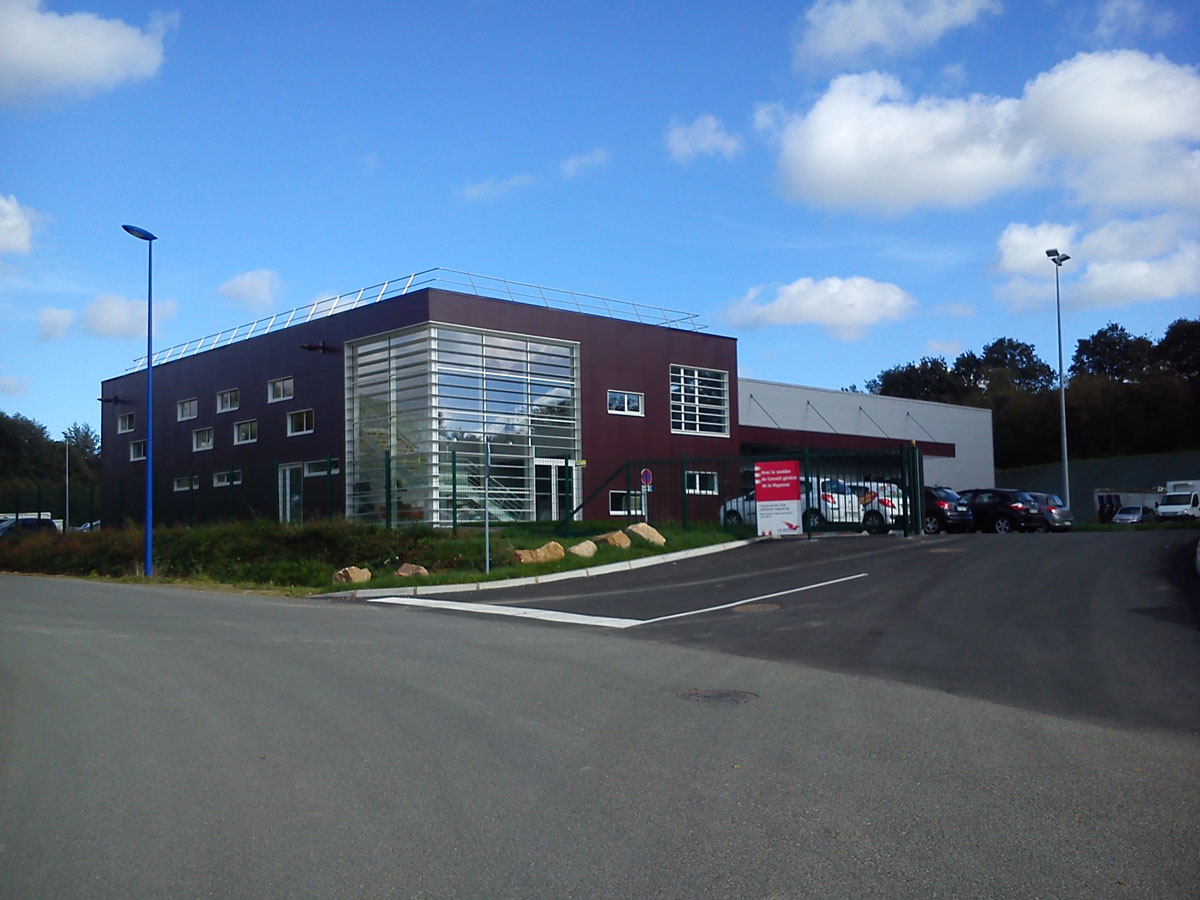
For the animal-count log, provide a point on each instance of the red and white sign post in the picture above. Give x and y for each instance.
(777, 497)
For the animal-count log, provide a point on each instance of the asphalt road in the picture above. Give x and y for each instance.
(164, 742)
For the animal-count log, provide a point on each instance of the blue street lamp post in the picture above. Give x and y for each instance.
(1058, 259)
(143, 234)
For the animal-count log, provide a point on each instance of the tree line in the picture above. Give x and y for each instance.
(1125, 394)
(34, 467)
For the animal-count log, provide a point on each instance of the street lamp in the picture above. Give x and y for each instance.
(144, 235)
(1058, 259)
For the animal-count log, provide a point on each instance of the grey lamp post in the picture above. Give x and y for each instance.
(143, 234)
(1058, 259)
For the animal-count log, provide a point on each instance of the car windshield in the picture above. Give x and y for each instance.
(1176, 500)
(1128, 511)
(946, 494)
(1054, 500)
(835, 487)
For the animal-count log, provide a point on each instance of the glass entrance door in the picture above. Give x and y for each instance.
(291, 493)
(554, 488)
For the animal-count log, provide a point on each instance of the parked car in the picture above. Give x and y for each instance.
(882, 502)
(1057, 514)
(12, 528)
(1133, 515)
(1002, 510)
(946, 511)
(836, 503)
(1179, 506)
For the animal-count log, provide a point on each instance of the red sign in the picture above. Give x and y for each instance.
(647, 477)
(778, 480)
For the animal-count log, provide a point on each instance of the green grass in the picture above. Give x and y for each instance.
(301, 559)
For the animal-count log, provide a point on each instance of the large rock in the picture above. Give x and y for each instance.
(351, 575)
(584, 549)
(545, 553)
(647, 533)
(408, 570)
(615, 539)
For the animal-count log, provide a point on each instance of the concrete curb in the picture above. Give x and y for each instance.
(418, 590)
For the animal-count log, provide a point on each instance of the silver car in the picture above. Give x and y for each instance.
(1058, 514)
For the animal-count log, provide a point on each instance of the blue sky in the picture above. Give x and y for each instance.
(844, 185)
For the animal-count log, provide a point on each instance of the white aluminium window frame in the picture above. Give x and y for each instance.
(281, 389)
(186, 410)
(245, 432)
(626, 403)
(202, 439)
(699, 401)
(126, 423)
(302, 421)
(137, 451)
(228, 400)
(698, 482)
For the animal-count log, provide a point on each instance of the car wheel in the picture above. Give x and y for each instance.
(874, 522)
(1002, 525)
(732, 517)
(933, 525)
(813, 520)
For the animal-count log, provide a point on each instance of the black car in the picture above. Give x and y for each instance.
(17, 527)
(944, 510)
(1003, 510)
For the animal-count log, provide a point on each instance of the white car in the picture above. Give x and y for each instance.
(836, 503)
(1133, 515)
(1179, 506)
(883, 504)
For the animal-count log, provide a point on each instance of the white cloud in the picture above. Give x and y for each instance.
(12, 384)
(16, 225)
(494, 188)
(254, 291)
(112, 316)
(44, 53)
(53, 322)
(1117, 20)
(948, 349)
(845, 29)
(582, 162)
(704, 136)
(844, 306)
(1023, 247)
(954, 310)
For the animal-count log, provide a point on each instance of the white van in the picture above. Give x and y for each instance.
(1179, 505)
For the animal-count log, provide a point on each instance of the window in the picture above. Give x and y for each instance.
(699, 401)
(202, 439)
(700, 482)
(226, 478)
(280, 389)
(625, 403)
(245, 432)
(300, 422)
(186, 409)
(125, 423)
(187, 483)
(622, 503)
(321, 467)
(137, 450)
(228, 401)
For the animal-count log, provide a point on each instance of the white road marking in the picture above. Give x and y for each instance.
(550, 615)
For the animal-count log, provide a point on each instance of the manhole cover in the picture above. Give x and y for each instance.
(721, 695)
(756, 607)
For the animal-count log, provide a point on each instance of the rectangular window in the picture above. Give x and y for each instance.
(245, 432)
(186, 409)
(300, 422)
(222, 479)
(321, 467)
(621, 503)
(137, 450)
(280, 389)
(202, 439)
(701, 482)
(125, 423)
(187, 483)
(228, 401)
(699, 401)
(626, 403)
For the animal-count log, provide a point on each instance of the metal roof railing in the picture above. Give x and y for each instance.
(450, 279)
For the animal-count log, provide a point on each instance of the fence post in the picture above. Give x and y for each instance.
(191, 498)
(329, 485)
(806, 519)
(454, 492)
(278, 507)
(387, 487)
(683, 476)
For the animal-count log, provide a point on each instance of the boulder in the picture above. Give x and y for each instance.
(351, 575)
(584, 549)
(545, 553)
(615, 539)
(647, 533)
(408, 570)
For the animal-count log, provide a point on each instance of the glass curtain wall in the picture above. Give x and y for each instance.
(424, 403)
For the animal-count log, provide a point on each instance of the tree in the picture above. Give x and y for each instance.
(1178, 353)
(26, 450)
(1113, 353)
(83, 438)
(1013, 365)
(929, 379)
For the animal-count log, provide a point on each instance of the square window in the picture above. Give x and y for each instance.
(280, 389)
(699, 401)
(187, 483)
(245, 432)
(226, 478)
(228, 401)
(125, 423)
(626, 403)
(321, 467)
(186, 409)
(202, 439)
(701, 482)
(300, 422)
(137, 450)
(624, 503)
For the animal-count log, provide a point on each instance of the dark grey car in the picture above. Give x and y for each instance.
(1003, 510)
(1058, 514)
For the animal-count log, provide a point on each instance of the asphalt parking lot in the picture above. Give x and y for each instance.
(1097, 626)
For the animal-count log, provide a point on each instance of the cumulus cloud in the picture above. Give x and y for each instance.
(16, 225)
(53, 322)
(116, 317)
(44, 53)
(494, 188)
(1122, 127)
(704, 136)
(254, 291)
(1116, 20)
(839, 30)
(12, 384)
(947, 349)
(575, 165)
(844, 306)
